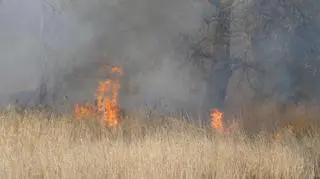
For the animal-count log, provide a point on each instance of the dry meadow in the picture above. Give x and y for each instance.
(34, 145)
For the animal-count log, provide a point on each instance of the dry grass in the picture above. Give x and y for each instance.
(34, 146)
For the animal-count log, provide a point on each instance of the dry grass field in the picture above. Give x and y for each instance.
(34, 145)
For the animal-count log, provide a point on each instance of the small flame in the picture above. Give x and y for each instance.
(277, 135)
(106, 105)
(84, 111)
(217, 120)
(218, 124)
(117, 70)
(289, 127)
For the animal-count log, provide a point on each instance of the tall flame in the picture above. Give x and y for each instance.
(107, 106)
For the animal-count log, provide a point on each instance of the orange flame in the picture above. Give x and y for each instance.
(217, 120)
(218, 124)
(289, 127)
(117, 70)
(106, 105)
(84, 111)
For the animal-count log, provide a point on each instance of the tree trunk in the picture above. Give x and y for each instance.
(218, 78)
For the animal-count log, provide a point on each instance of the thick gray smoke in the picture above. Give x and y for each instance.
(65, 43)
(70, 44)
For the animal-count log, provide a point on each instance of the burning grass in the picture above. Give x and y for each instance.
(35, 145)
(106, 106)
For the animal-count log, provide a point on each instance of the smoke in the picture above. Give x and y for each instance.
(38, 41)
(70, 45)
(65, 43)
(280, 40)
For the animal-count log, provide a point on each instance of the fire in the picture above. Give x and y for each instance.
(217, 120)
(84, 111)
(289, 127)
(297, 127)
(117, 70)
(107, 106)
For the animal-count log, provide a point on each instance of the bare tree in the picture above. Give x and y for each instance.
(292, 28)
(221, 64)
(281, 58)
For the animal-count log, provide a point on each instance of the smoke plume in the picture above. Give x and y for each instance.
(65, 44)
(61, 49)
